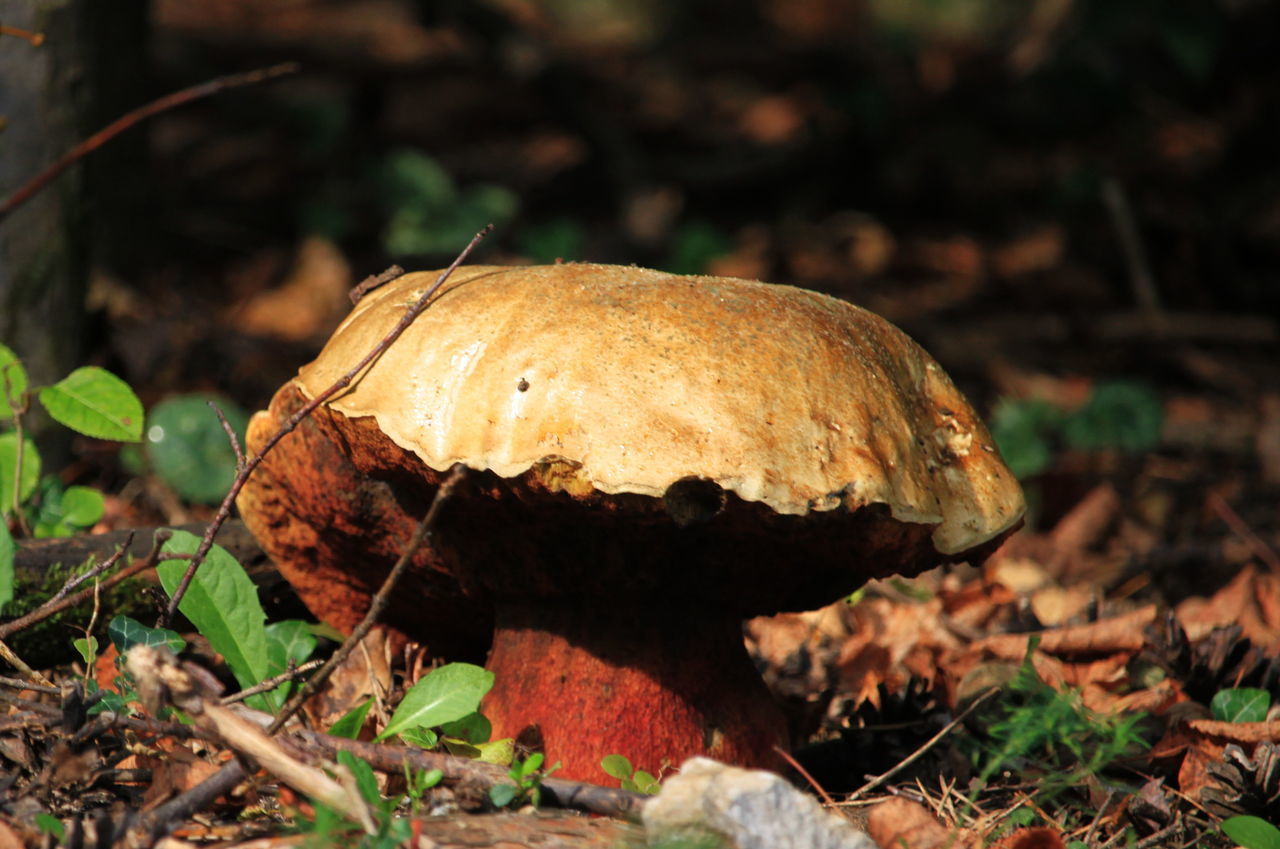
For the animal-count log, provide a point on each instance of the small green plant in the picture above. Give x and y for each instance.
(428, 213)
(633, 779)
(91, 401)
(1242, 704)
(222, 603)
(527, 776)
(1038, 728)
(1252, 832)
(1120, 415)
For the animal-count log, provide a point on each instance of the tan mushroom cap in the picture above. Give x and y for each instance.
(625, 380)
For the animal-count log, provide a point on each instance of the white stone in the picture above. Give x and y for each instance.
(745, 809)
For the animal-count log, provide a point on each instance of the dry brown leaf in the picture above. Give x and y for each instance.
(310, 302)
(1039, 837)
(1119, 633)
(1251, 600)
(1237, 732)
(10, 839)
(363, 674)
(1038, 250)
(903, 824)
(1054, 606)
(885, 635)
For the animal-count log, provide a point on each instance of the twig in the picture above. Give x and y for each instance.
(35, 39)
(1237, 525)
(573, 795)
(376, 606)
(231, 434)
(19, 684)
(161, 680)
(795, 764)
(8, 655)
(1135, 256)
(293, 673)
(373, 281)
(115, 128)
(76, 580)
(224, 510)
(918, 753)
(51, 607)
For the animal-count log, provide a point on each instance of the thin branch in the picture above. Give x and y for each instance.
(376, 607)
(1141, 280)
(293, 673)
(76, 580)
(918, 753)
(804, 773)
(19, 684)
(373, 281)
(51, 607)
(224, 510)
(231, 434)
(115, 128)
(35, 39)
(8, 655)
(1238, 526)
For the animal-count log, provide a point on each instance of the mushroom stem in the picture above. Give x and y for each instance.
(654, 680)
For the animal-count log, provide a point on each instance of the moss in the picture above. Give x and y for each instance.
(48, 643)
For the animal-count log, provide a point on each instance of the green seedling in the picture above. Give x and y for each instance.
(633, 779)
(445, 695)
(527, 786)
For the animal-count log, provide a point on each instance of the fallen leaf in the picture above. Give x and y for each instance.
(1039, 837)
(903, 824)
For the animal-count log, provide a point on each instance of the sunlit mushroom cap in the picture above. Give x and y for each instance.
(617, 380)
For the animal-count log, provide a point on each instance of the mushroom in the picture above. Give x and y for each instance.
(655, 459)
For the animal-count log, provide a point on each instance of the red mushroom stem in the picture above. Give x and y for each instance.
(657, 681)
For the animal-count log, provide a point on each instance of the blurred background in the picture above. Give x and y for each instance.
(1073, 204)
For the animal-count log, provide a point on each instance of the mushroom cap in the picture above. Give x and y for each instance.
(621, 381)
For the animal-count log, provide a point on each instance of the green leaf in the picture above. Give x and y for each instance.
(643, 782)
(9, 462)
(616, 766)
(349, 725)
(502, 794)
(288, 640)
(1021, 429)
(1243, 704)
(445, 695)
(7, 552)
(366, 781)
(222, 603)
(87, 647)
(125, 633)
(423, 738)
(1119, 415)
(50, 824)
(473, 728)
(188, 448)
(82, 506)
(1252, 832)
(499, 752)
(95, 402)
(13, 381)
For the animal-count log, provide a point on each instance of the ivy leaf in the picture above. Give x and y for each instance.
(222, 603)
(95, 402)
(349, 725)
(1242, 704)
(13, 381)
(125, 633)
(289, 640)
(445, 695)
